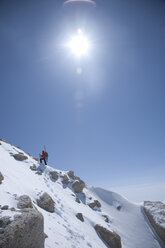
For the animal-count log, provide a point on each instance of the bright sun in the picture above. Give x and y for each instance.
(79, 44)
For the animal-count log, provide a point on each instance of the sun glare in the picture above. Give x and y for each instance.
(79, 44)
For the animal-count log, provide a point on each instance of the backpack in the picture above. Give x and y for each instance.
(46, 155)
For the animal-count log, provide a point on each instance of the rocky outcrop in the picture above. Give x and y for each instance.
(155, 212)
(94, 204)
(46, 202)
(54, 175)
(78, 186)
(25, 231)
(33, 167)
(71, 174)
(65, 179)
(111, 238)
(106, 218)
(24, 202)
(4, 221)
(80, 217)
(1, 177)
(36, 159)
(20, 157)
(78, 200)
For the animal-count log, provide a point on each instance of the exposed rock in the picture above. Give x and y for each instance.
(94, 204)
(33, 167)
(90, 198)
(5, 207)
(45, 235)
(0, 144)
(25, 231)
(3, 140)
(80, 217)
(106, 218)
(155, 212)
(1, 177)
(78, 200)
(39, 173)
(111, 238)
(54, 175)
(65, 179)
(12, 209)
(24, 202)
(36, 159)
(46, 202)
(4, 221)
(20, 157)
(78, 186)
(118, 207)
(71, 174)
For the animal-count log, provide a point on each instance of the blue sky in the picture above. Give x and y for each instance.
(107, 123)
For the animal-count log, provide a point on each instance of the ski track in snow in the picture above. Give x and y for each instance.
(64, 230)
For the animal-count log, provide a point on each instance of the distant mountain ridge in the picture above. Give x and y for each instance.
(57, 209)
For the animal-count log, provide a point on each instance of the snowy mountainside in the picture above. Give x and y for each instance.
(62, 227)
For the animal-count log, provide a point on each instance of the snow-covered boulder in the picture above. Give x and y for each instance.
(1, 177)
(24, 202)
(26, 230)
(155, 212)
(78, 186)
(111, 238)
(20, 157)
(46, 202)
(94, 204)
(54, 175)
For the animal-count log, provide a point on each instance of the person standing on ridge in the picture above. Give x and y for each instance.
(43, 157)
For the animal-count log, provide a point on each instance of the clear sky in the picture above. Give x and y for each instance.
(106, 123)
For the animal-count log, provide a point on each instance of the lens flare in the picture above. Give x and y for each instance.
(79, 44)
(91, 2)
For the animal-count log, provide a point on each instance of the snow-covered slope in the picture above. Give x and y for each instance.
(64, 230)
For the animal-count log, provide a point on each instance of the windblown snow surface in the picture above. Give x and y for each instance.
(64, 230)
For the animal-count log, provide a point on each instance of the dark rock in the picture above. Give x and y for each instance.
(12, 209)
(156, 208)
(65, 179)
(80, 217)
(78, 186)
(20, 157)
(25, 231)
(78, 200)
(33, 167)
(90, 198)
(54, 175)
(4, 221)
(94, 204)
(45, 235)
(111, 238)
(106, 218)
(1, 177)
(36, 159)
(71, 174)
(46, 202)
(39, 173)
(5, 207)
(118, 207)
(24, 202)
